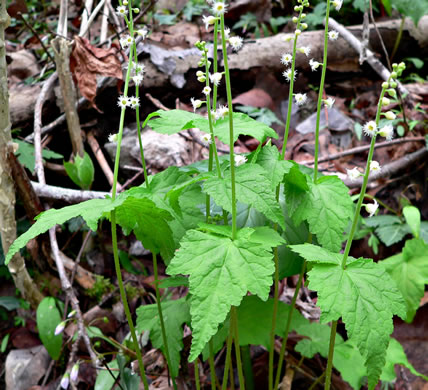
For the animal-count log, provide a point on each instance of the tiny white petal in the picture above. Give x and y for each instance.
(236, 42)
(387, 132)
(337, 4)
(353, 174)
(300, 98)
(329, 102)
(371, 208)
(216, 78)
(239, 160)
(206, 90)
(112, 138)
(65, 381)
(370, 128)
(74, 372)
(374, 166)
(333, 35)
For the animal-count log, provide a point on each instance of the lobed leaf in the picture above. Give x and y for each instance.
(175, 314)
(327, 207)
(252, 188)
(173, 121)
(221, 272)
(409, 270)
(91, 211)
(366, 298)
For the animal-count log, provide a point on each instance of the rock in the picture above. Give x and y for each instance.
(137, 249)
(340, 126)
(25, 367)
(160, 150)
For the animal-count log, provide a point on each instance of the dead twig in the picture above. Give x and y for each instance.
(364, 148)
(66, 194)
(378, 67)
(98, 153)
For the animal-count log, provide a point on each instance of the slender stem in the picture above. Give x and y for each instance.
(215, 63)
(196, 365)
(351, 236)
(161, 319)
(274, 312)
(290, 91)
(124, 299)
(227, 364)
(321, 90)
(234, 319)
(317, 381)
(287, 327)
(229, 103)
(212, 366)
(330, 356)
(247, 367)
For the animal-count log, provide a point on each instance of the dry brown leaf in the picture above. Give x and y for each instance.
(87, 61)
(255, 97)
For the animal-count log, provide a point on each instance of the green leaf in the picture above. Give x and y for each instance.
(252, 187)
(105, 380)
(317, 339)
(48, 317)
(149, 224)
(409, 270)
(424, 231)
(174, 281)
(255, 320)
(269, 159)
(413, 219)
(328, 208)
(396, 355)
(410, 8)
(295, 189)
(25, 154)
(91, 211)
(349, 362)
(10, 303)
(391, 234)
(81, 171)
(221, 272)
(175, 314)
(242, 125)
(364, 295)
(173, 121)
(382, 220)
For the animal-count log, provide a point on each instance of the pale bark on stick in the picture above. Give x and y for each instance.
(62, 50)
(66, 194)
(16, 266)
(93, 143)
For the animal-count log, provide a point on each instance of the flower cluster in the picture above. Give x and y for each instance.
(128, 101)
(372, 129)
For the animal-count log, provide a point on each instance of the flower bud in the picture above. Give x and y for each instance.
(394, 75)
(297, 32)
(385, 84)
(391, 92)
(371, 208)
(386, 101)
(74, 372)
(393, 84)
(303, 16)
(295, 19)
(390, 115)
(296, 8)
(304, 26)
(136, 10)
(199, 73)
(59, 328)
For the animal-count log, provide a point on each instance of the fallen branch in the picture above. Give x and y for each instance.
(363, 148)
(93, 143)
(377, 66)
(393, 168)
(66, 194)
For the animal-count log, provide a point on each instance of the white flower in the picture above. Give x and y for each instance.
(297, 32)
(221, 112)
(306, 50)
(134, 102)
(286, 58)
(239, 160)
(139, 67)
(138, 79)
(216, 78)
(314, 64)
(333, 35)
(300, 98)
(219, 8)
(287, 74)
(353, 174)
(374, 166)
(370, 128)
(121, 10)
(125, 2)
(206, 90)
(196, 103)
(59, 328)
(74, 372)
(208, 20)
(112, 138)
(236, 42)
(123, 101)
(387, 132)
(390, 115)
(337, 4)
(329, 102)
(227, 32)
(126, 41)
(142, 32)
(206, 139)
(65, 381)
(371, 208)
